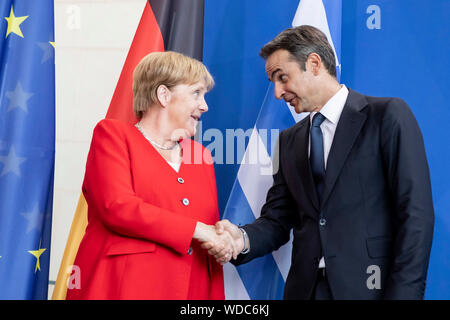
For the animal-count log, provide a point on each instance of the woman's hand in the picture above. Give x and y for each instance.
(221, 246)
(226, 227)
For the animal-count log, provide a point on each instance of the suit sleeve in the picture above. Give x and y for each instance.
(272, 229)
(108, 187)
(409, 182)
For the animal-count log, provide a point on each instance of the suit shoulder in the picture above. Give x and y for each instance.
(112, 129)
(293, 129)
(388, 105)
(393, 112)
(113, 125)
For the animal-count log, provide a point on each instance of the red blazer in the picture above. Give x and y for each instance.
(141, 218)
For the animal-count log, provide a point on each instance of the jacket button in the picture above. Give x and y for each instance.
(322, 222)
(180, 180)
(190, 251)
(185, 201)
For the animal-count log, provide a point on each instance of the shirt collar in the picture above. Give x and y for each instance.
(333, 108)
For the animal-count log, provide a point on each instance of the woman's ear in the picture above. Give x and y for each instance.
(163, 93)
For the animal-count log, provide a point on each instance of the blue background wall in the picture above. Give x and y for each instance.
(408, 58)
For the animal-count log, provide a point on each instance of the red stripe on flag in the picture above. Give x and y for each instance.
(147, 39)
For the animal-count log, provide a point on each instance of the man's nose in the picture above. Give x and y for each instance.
(279, 91)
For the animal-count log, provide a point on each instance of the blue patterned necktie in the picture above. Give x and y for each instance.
(316, 156)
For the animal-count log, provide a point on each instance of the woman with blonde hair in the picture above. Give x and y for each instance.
(151, 193)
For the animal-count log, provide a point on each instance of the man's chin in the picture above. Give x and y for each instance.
(298, 109)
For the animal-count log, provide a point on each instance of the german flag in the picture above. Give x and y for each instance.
(172, 25)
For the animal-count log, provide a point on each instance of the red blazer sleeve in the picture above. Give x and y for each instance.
(108, 187)
(216, 289)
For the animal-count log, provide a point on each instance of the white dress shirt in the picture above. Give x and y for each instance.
(332, 111)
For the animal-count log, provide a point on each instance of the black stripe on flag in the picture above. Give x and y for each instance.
(181, 25)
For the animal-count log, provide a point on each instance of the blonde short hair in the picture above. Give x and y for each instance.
(164, 68)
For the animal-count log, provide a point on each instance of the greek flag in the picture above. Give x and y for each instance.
(27, 146)
(264, 278)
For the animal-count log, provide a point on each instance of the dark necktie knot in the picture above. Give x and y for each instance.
(318, 119)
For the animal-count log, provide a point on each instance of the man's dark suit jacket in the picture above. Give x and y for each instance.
(376, 206)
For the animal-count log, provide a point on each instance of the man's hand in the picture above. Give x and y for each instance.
(221, 244)
(222, 228)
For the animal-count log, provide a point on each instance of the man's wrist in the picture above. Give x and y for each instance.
(246, 247)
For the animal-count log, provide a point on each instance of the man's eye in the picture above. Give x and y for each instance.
(283, 78)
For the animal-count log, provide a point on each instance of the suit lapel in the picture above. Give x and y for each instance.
(348, 129)
(302, 162)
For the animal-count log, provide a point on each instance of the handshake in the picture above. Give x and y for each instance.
(223, 241)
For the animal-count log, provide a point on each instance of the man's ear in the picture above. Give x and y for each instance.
(163, 94)
(313, 63)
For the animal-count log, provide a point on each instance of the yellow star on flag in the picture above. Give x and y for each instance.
(37, 254)
(52, 43)
(14, 24)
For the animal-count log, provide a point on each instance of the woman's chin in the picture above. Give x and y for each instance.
(191, 130)
(180, 134)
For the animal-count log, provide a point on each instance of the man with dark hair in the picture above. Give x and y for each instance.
(353, 183)
(301, 42)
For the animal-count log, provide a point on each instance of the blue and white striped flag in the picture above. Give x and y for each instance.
(264, 278)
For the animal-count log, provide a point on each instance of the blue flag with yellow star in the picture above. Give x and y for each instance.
(27, 146)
